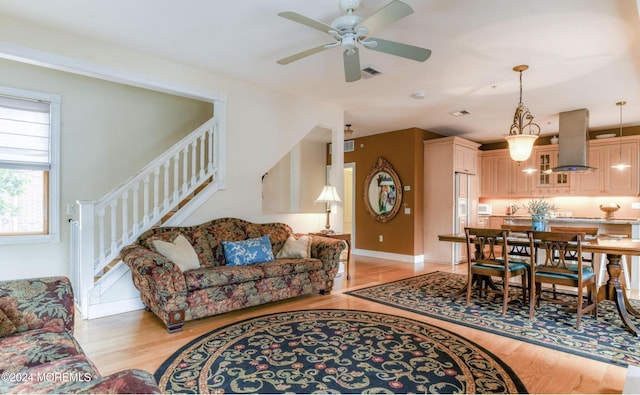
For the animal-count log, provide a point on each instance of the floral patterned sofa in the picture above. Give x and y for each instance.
(38, 353)
(192, 285)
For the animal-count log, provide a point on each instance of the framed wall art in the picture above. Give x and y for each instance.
(382, 191)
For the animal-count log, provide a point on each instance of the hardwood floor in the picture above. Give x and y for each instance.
(139, 340)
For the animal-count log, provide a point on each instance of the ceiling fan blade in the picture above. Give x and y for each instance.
(398, 49)
(385, 16)
(304, 54)
(351, 65)
(294, 16)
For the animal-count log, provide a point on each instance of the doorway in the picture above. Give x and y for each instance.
(349, 179)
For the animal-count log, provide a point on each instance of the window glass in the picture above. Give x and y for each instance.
(29, 125)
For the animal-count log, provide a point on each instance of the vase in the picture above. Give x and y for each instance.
(538, 223)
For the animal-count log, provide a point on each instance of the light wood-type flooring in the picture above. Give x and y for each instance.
(139, 340)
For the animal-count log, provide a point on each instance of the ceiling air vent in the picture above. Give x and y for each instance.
(370, 72)
(349, 146)
(460, 113)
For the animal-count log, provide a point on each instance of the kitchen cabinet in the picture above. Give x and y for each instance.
(550, 184)
(605, 179)
(502, 176)
(449, 167)
(465, 158)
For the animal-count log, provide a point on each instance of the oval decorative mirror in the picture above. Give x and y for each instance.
(382, 191)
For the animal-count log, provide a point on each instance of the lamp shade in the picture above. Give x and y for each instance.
(329, 194)
(520, 146)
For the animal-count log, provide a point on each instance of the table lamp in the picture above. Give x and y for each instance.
(329, 195)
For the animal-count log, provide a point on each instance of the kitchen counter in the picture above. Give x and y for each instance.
(591, 220)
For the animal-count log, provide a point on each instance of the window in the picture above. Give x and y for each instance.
(29, 166)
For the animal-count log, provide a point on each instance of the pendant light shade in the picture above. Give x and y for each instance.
(620, 165)
(348, 131)
(523, 132)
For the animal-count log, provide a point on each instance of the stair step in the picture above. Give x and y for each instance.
(185, 201)
(168, 215)
(108, 267)
(203, 185)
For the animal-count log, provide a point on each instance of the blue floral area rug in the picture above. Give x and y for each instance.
(434, 295)
(334, 351)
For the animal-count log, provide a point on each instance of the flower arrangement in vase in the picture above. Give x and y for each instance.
(539, 210)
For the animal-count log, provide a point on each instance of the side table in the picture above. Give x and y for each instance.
(347, 239)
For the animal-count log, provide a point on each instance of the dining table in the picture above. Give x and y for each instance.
(614, 247)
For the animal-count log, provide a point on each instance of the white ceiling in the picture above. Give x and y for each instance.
(581, 54)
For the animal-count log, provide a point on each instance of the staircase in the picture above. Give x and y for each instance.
(164, 192)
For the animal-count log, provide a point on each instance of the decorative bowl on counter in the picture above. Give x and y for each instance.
(609, 209)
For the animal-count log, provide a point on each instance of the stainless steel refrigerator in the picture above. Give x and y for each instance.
(462, 212)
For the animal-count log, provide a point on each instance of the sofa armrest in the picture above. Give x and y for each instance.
(159, 280)
(132, 381)
(36, 303)
(326, 249)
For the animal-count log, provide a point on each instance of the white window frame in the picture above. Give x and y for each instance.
(53, 236)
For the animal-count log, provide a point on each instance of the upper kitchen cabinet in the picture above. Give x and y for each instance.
(549, 184)
(465, 157)
(501, 176)
(605, 179)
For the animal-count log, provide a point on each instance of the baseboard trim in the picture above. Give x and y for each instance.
(113, 308)
(389, 255)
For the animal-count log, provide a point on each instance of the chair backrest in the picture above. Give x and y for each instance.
(487, 245)
(517, 250)
(555, 246)
(516, 228)
(586, 231)
(572, 255)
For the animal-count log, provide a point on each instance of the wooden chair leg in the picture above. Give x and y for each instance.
(579, 308)
(469, 286)
(505, 296)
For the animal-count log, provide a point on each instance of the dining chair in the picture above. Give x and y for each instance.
(588, 258)
(487, 254)
(520, 252)
(555, 269)
(571, 254)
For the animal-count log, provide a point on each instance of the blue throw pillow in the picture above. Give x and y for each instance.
(246, 252)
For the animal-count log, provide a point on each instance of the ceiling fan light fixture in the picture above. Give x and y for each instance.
(350, 30)
(523, 132)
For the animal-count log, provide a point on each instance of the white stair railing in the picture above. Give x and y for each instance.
(107, 225)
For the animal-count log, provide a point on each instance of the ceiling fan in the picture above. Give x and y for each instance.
(349, 30)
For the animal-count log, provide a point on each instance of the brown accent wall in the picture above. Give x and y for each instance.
(404, 150)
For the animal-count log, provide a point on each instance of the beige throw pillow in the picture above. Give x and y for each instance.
(179, 252)
(300, 248)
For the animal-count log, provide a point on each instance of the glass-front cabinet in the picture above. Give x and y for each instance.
(550, 183)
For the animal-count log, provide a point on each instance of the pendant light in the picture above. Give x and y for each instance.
(348, 131)
(620, 165)
(523, 132)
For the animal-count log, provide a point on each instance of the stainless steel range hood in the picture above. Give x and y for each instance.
(572, 148)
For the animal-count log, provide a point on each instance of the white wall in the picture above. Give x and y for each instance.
(262, 126)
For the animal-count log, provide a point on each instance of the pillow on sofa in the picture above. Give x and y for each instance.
(246, 252)
(300, 248)
(179, 252)
(6, 325)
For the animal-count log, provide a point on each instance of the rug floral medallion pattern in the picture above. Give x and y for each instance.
(434, 295)
(334, 351)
